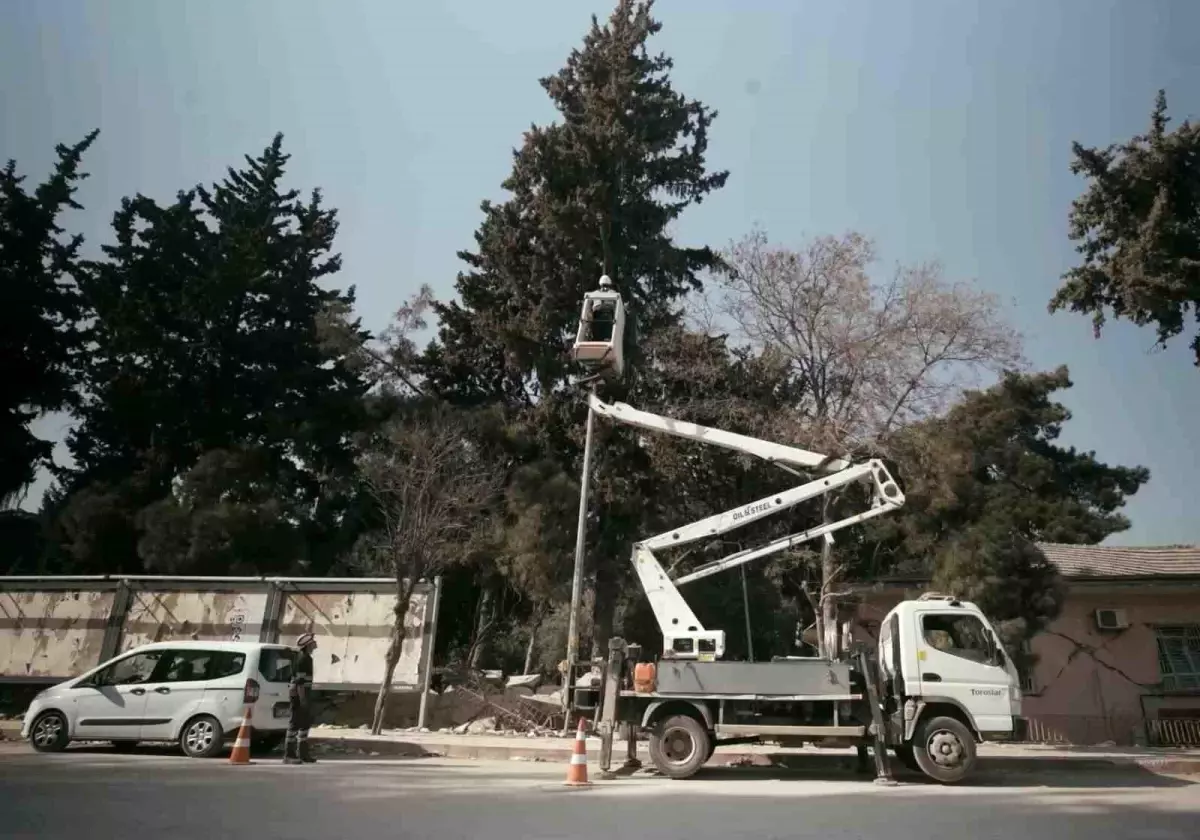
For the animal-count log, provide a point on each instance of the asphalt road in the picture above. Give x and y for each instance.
(97, 793)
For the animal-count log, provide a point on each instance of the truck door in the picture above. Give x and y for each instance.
(957, 659)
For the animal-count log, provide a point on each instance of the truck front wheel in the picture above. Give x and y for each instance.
(944, 749)
(679, 746)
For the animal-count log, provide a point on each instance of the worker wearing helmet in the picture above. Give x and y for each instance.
(296, 749)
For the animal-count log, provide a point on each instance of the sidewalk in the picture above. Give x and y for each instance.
(515, 747)
(1024, 757)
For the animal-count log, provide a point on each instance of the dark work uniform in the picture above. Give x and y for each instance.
(300, 698)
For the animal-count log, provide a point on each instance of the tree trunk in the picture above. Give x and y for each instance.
(604, 609)
(827, 615)
(529, 649)
(395, 646)
(484, 616)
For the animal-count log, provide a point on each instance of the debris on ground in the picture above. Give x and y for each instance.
(461, 702)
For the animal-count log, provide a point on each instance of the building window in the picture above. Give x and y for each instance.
(1179, 656)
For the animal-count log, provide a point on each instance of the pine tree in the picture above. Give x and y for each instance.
(1138, 231)
(205, 341)
(40, 311)
(596, 192)
(984, 483)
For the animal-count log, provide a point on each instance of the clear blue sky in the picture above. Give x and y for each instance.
(942, 128)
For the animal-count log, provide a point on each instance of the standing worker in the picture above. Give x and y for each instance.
(295, 746)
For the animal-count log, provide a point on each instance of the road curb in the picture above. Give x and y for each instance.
(1165, 765)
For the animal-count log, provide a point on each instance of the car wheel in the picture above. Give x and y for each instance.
(49, 733)
(679, 746)
(124, 746)
(944, 749)
(202, 737)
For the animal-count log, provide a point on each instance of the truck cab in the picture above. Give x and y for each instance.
(941, 659)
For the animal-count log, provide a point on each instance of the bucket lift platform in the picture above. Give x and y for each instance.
(599, 344)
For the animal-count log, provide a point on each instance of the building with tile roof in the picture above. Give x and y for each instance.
(1121, 663)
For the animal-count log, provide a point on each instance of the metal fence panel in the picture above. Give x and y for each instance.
(163, 615)
(52, 635)
(55, 628)
(353, 631)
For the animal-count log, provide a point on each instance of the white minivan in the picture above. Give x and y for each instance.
(191, 693)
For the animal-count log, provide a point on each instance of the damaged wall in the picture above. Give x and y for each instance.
(353, 630)
(52, 629)
(54, 634)
(166, 615)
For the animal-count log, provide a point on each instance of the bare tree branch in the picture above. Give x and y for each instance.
(432, 492)
(871, 357)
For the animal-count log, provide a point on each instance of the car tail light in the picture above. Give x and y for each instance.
(253, 689)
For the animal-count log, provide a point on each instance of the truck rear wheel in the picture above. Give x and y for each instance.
(679, 746)
(944, 749)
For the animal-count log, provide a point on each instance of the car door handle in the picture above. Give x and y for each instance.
(138, 691)
(162, 689)
(928, 677)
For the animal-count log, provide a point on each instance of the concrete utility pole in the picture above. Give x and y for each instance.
(598, 347)
(577, 576)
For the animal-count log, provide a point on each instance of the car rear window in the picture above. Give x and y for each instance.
(275, 664)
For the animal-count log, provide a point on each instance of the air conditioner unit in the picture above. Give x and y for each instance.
(1111, 619)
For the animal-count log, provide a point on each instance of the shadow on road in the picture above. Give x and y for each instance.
(396, 752)
(992, 773)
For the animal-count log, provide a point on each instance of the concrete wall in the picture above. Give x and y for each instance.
(160, 615)
(47, 635)
(53, 629)
(353, 631)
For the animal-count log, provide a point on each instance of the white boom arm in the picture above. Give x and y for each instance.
(683, 635)
(765, 449)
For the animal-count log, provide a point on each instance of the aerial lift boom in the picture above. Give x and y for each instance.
(599, 345)
(684, 637)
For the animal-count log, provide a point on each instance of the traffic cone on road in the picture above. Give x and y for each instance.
(241, 747)
(577, 775)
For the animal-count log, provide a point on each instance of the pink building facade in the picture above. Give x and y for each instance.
(1121, 663)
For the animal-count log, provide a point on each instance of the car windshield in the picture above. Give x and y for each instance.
(275, 664)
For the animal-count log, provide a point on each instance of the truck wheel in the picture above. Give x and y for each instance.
(679, 746)
(944, 749)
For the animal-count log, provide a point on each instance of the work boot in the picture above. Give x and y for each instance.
(291, 752)
(306, 756)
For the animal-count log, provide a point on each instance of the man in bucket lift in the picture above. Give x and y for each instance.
(296, 749)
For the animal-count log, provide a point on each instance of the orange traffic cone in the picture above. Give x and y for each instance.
(577, 770)
(241, 747)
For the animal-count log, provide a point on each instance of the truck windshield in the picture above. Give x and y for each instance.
(958, 635)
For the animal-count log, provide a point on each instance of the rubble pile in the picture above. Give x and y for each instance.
(463, 703)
